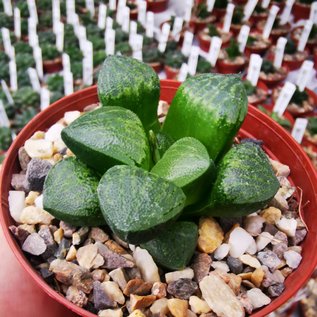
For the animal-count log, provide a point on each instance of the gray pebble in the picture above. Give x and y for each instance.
(19, 182)
(36, 173)
(270, 229)
(34, 244)
(182, 288)
(68, 229)
(63, 248)
(100, 297)
(24, 158)
(46, 234)
(269, 259)
(299, 236)
(276, 290)
(19, 233)
(235, 265)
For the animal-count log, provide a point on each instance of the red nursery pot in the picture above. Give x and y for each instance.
(278, 144)
(262, 86)
(53, 66)
(286, 114)
(301, 11)
(227, 68)
(171, 73)
(219, 13)
(273, 82)
(295, 36)
(198, 25)
(204, 41)
(157, 5)
(157, 66)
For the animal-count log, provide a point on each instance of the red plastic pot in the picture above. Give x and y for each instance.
(157, 5)
(171, 73)
(278, 144)
(275, 33)
(53, 66)
(262, 86)
(157, 66)
(272, 83)
(286, 114)
(204, 43)
(256, 17)
(301, 11)
(227, 68)
(219, 13)
(311, 43)
(198, 25)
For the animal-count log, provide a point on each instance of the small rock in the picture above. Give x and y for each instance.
(98, 234)
(39, 148)
(133, 272)
(246, 303)
(276, 290)
(159, 307)
(183, 288)
(176, 275)
(71, 255)
(239, 241)
(58, 235)
(258, 298)
(250, 260)
(296, 248)
(271, 279)
(198, 306)
(113, 291)
(63, 249)
(279, 201)
(159, 290)
(30, 199)
(24, 159)
(252, 249)
(269, 259)
(221, 266)
(19, 233)
(263, 240)
(280, 169)
(39, 202)
(146, 264)
(271, 215)
(137, 313)
(88, 257)
(234, 283)
(110, 313)
(34, 244)
(101, 299)
(54, 132)
(71, 116)
(100, 275)
(115, 247)
(46, 234)
(235, 265)
(228, 224)
(36, 173)
(280, 237)
(201, 266)
(210, 235)
(286, 271)
(299, 236)
(141, 302)
(16, 204)
(288, 226)
(246, 276)
(177, 307)
(113, 260)
(257, 276)
(279, 249)
(220, 297)
(19, 182)
(292, 258)
(253, 225)
(271, 229)
(119, 277)
(222, 251)
(80, 236)
(138, 287)
(67, 228)
(33, 215)
(76, 296)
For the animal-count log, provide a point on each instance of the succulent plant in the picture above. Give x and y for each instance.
(5, 21)
(21, 119)
(74, 53)
(121, 36)
(26, 97)
(23, 78)
(124, 48)
(221, 4)
(46, 37)
(77, 70)
(203, 66)
(24, 9)
(249, 88)
(299, 97)
(5, 138)
(268, 67)
(24, 61)
(212, 30)
(233, 49)
(237, 16)
(201, 11)
(174, 59)
(22, 47)
(99, 57)
(151, 54)
(312, 125)
(290, 47)
(55, 83)
(56, 95)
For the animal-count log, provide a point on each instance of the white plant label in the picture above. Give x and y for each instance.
(7, 6)
(90, 5)
(193, 60)
(279, 52)
(60, 36)
(142, 12)
(313, 12)
(228, 18)
(265, 3)
(6, 40)
(70, 11)
(110, 41)
(119, 15)
(284, 98)
(133, 31)
(17, 23)
(66, 62)
(33, 40)
(243, 37)
(188, 10)
(177, 28)
(285, 16)
(304, 75)
(33, 10)
(88, 50)
(183, 72)
(102, 15)
(248, 9)
(210, 5)
(4, 120)
(6, 91)
(149, 24)
(270, 21)
(214, 50)
(164, 37)
(68, 83)
(12, 53)
(88, 70)
(37, 53)
(254, 69)
(126, 19)
(56, 10)
(45, 98)
(76, 22)
(13, 76)
(112, 4)
(304, 36)
(188, 42)
(34, 79)
(137, 47)
(109, 23)
(299, 128)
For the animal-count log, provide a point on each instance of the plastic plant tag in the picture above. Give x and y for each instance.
(88, 70)
(109, 23)
(45, 98)
(33, 10)
(164, 37)
(102, 15)
(183, 72)
(270, 21)
(119, 15)
(284, 98)
(285, 16)
(37, 53)
(188, 10)
(265, 4)
(254, 69)
(34, 79)
(33, 39)
(60, 36)
(193, 60)
(299, 128)
(4, 120)
(13, 76)
(68, 83)
(210, 5)
(110, 41)
(313, 12)
(249, 8)
(112, 4)
(149, 24)
(304, 75)
(70, 11)
(304, 36)
(17, 23)
(188, 42)
(214, 50)
(177, 28)
(133, 31)
(243, 37)
(142, 12)
(56, 10)
(6, 91)
(279, 52)
(228, 18)
(66, 62)
(6, 40)
(126, 19)
(7, 6)
(137, 47)
(90, 5)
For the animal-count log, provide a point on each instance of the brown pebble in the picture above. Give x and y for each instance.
(177, 307)
(140, 302)
(257, 277)
(76, 296)
(98, 234)
(100, 275)
(159, 290)
(58, 235)
(115, 247)
(183, 288)
(138, 287)
(201, 266)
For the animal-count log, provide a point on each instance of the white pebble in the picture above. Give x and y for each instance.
(222, 251)
(113, 291)
(110, 313)
(54, 132)
(288, 226)
(239, 241)
(263, 240)
(39, 202)
(39, 148)
(146, 264)
(250, 261)
(176, 275)
(292, 258)
(32, 215)
(252, 249)
(221, 266)
(198, 306)
(16, 204)
(71, 116)
(258, 298)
